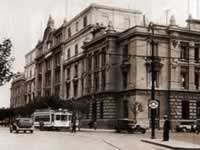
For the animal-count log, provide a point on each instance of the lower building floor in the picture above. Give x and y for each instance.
(106, 108)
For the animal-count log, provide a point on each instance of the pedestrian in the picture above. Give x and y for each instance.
(198, 127)
(166, 128)
(74, 127)
(95, 125)
(73, 122)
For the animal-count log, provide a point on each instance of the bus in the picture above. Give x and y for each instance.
(52, 119)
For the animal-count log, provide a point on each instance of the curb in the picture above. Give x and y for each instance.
(168, 146)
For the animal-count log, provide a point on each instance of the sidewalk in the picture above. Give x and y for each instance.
(173, 144)
(97, 130)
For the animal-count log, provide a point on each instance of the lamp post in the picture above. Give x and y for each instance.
(153, 111)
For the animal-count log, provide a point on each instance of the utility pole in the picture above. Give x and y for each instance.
(153, 111)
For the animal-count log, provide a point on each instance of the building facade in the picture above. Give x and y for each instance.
(17, 98)
(118, 73)
(103, 57)
(58, 55)
(29, 71)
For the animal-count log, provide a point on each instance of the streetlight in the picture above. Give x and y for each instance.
(153, 110)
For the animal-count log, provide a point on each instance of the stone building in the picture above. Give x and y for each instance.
(17, 98)
(29, 71)
(58, 55)
(117, 73)
(103, 57)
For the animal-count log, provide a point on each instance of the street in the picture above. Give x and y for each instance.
(84, 140)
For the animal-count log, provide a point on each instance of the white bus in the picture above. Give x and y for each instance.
(52, 119)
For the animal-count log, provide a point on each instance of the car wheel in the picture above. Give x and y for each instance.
(184, 129)
(143, 131)
(31, 131)
(24, 131)
(17, 131)
(130, 131)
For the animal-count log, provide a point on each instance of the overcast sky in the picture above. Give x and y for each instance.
(24, 20)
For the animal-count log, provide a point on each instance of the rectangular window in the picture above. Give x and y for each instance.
(67, 90)
(82, 85)
(89, 63)
(57, 76)
(125, 79)
(185, 110)
(76, 71)
(76, 49)
(77, 26)
(184, 49)
(69, 32)
(103, 80)
(103, 58)
(57, 59)
(196, 78)
(185, 77)
(101, 109)
(85, 21)
(89, 85)
(96, 60)
(96, 81)
(125, 109)
(68, 53)
(75, 88)
(125, 53)
(198, 110)
(196, 53)
(68, 73)
(48, 65)
(57, 90)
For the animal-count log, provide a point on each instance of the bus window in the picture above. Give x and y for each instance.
(58, 117)
(42, 118)
(63, 117)
(52, 117)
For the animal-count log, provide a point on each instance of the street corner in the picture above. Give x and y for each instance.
(172, 144)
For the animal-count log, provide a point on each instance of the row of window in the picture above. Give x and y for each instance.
(185, 53)
(185, 77)
(85, 23)
(75, 51)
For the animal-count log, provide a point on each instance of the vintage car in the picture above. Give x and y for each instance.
(186, 126)
(128, 125)
(22, 124)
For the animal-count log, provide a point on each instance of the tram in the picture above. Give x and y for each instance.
(52, 119)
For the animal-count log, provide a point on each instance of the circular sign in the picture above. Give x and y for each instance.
(153, 104)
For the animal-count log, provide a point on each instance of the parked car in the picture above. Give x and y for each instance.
(22, 124)
(186, 126)
(128, 125)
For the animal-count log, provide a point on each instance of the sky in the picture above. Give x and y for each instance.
(23, 21)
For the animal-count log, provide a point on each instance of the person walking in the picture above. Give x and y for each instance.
(166, 128)
(95, 125)
(198, 127)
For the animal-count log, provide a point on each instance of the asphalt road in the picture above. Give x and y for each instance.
(85, 140)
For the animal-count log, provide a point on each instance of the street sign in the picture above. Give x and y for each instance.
(153, 104)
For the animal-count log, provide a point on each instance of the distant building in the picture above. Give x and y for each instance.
(29, 71)
(18, 91)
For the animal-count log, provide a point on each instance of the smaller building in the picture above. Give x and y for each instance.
(30, 76)
(18, 91)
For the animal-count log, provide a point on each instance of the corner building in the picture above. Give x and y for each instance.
(118, 73)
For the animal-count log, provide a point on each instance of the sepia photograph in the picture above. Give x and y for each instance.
(100, 75)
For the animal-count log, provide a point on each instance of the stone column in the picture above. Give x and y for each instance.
(43, 78)
(52, 61)
(62, 72)
(191, 66)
